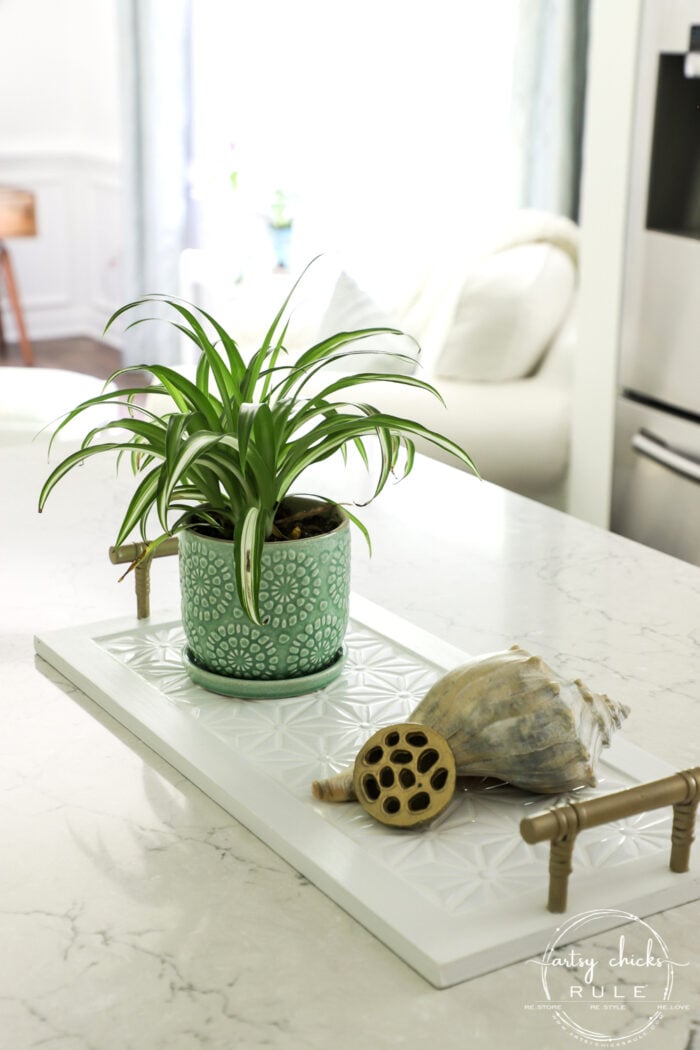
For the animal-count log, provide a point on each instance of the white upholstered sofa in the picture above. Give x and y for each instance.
(496, 330)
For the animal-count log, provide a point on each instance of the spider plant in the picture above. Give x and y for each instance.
(239, 436)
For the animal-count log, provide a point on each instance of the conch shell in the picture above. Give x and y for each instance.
(510, 716)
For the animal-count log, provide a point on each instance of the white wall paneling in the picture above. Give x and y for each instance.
(70, 275)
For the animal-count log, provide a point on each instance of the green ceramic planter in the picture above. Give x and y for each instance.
(304, 599)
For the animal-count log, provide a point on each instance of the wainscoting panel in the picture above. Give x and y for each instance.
(70, 275)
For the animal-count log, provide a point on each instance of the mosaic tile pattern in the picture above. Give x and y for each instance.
(473, 855)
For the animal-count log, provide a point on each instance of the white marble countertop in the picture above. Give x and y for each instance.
(135, 913)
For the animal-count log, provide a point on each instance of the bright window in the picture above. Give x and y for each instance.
(381, 121)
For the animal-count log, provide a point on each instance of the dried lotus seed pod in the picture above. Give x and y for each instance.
(405, 775)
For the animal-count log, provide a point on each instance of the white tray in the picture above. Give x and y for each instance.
(464, 896)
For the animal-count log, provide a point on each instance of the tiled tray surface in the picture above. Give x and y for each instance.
(462, 897)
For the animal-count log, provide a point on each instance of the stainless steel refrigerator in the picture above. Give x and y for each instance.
(656, 477)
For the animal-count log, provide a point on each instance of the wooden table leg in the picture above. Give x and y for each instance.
(9, 279)
(3, 344)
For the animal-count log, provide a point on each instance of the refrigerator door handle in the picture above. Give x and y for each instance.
(647, 444)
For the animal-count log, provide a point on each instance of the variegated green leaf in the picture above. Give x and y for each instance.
(248, 542)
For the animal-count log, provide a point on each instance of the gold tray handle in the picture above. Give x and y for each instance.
(560, 826)
(134, 553)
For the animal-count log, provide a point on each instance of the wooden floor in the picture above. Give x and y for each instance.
(80, 354)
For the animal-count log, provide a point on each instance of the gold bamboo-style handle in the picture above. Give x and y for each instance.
(134, 552)
(561, 825)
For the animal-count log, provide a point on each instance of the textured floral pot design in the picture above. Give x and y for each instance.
(304, 599)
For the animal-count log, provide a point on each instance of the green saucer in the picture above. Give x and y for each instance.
(263, 689)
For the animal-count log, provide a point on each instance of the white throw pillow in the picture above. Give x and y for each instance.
(509, 310)
(351, 308)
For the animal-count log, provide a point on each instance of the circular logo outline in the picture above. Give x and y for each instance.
(562, 935)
